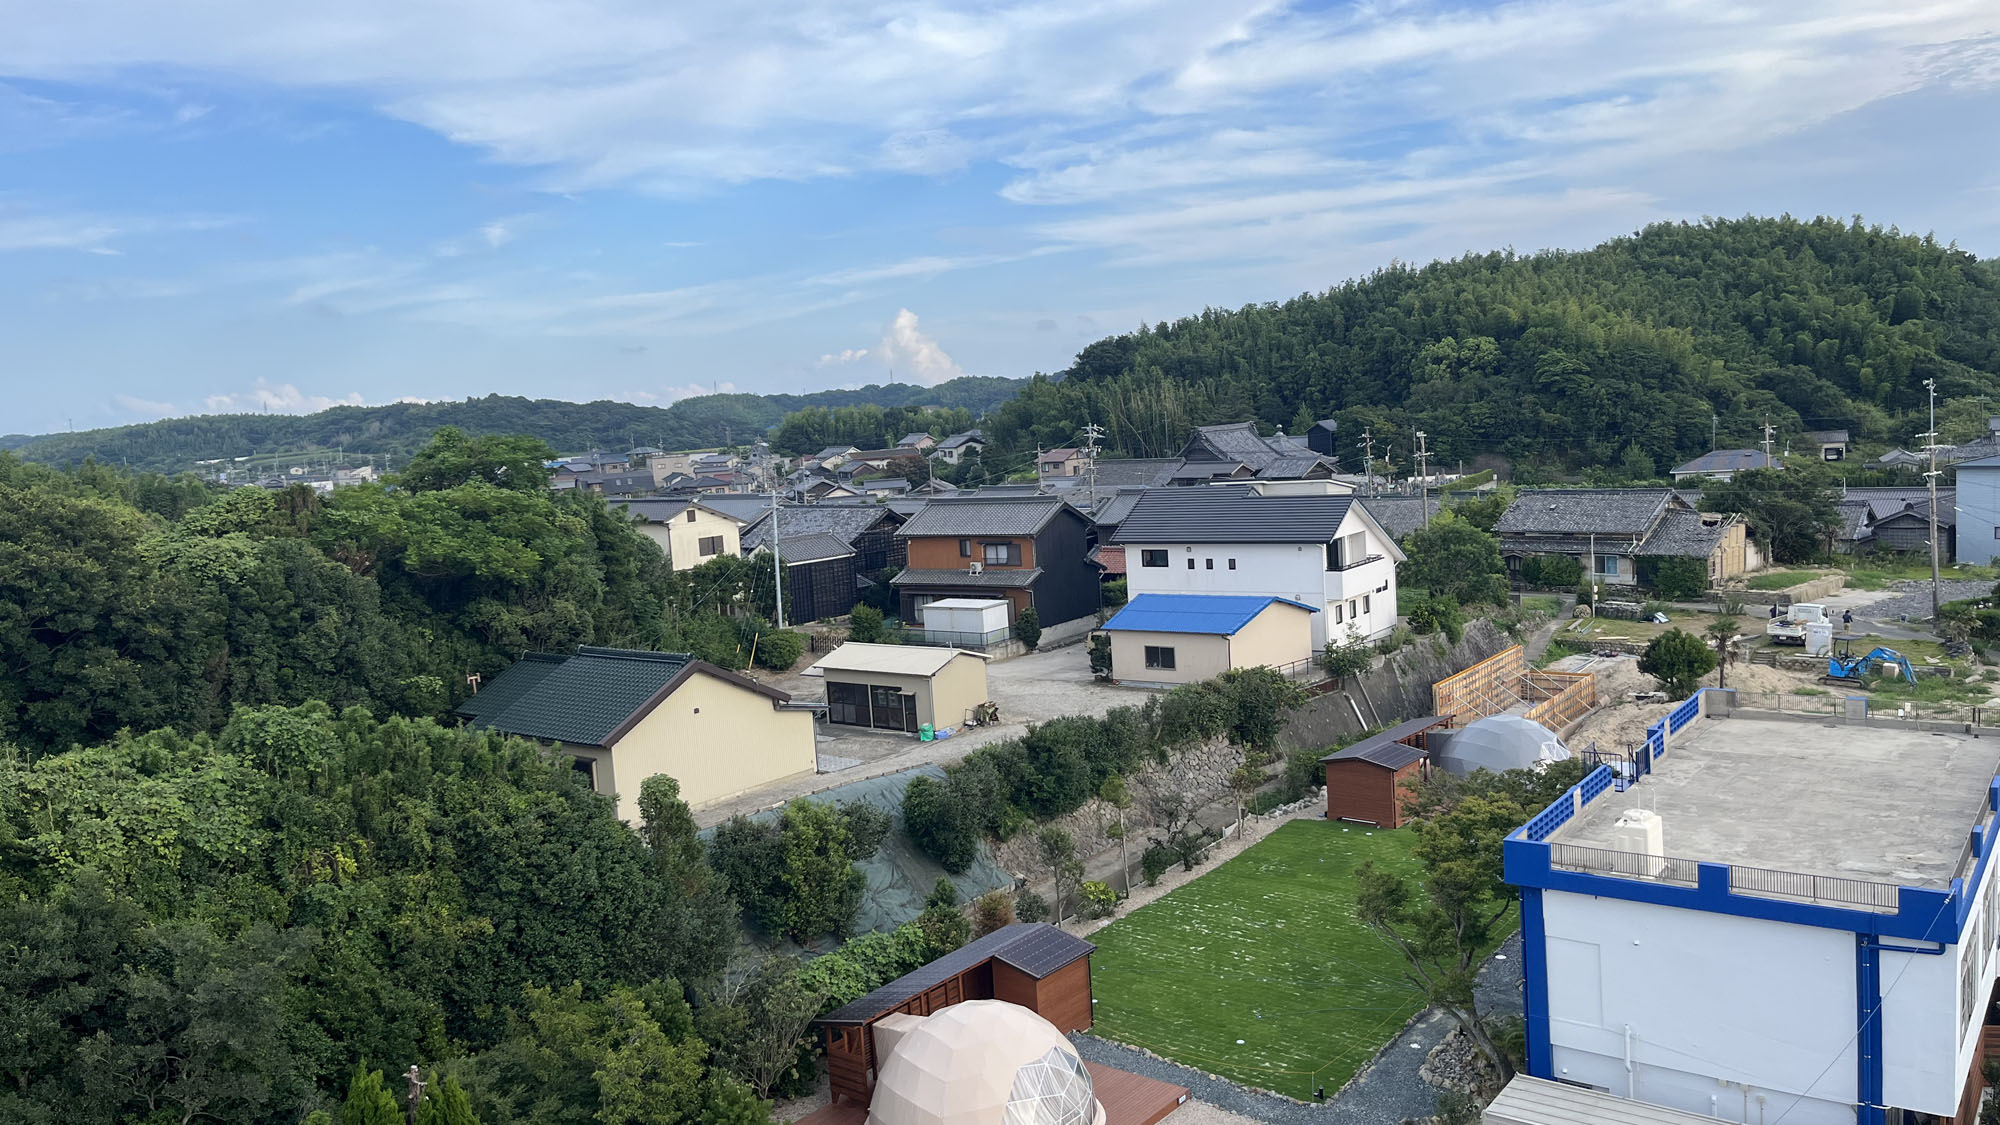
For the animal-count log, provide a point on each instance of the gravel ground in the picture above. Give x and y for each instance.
(1914, 599)
(1386, 1092)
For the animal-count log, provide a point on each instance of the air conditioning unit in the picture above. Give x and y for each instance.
(978, 567)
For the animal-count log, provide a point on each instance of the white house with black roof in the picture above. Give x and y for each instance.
(1322, 550)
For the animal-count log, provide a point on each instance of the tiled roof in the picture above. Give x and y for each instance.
(743, 509)
(915, 439)
(1231, 514)
(1729, 461)
(966, 438)
(811, 547)
(503, 690)
(1383, 748)
(1827, 437)
(1682, 533)
(1035, 948)
(1112, 512)
(995, 578)
(983, 515)
(1140, 472)
(653, 509)
(1221, 615)
(1272, 458)
(1111, 558)
(1400, 515)
(1583, 511)
(845, 522)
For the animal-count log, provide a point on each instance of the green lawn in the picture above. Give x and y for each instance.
(1264, 949)
(1780, 579)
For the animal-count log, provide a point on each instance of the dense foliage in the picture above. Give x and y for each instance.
(1617, 355)
(1678, 660)
(1790, 511)
(864, 427)
(396, 431)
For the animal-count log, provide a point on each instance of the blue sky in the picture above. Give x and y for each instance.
(231, 206)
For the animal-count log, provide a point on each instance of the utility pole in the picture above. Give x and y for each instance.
(1930, 480)
(1766, 443)
(777, 565)
(1711, 431)
(1091, 432)
(1424, 475)
(1368, 461)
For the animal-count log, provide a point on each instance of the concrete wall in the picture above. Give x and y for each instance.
(1803, 592)
(1397, 688)
(1197, 657)
(716, 738)
(1929, 1033)
(1978, 514)
(957, 688)
(1724, 1012)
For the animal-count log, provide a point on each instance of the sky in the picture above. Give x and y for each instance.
(237, 205)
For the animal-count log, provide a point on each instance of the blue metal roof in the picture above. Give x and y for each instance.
(1220, 614)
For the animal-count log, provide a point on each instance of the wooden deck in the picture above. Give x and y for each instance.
(1127, 1098)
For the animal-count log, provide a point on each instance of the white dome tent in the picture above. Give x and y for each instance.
(982, 1062)
(1500, 743)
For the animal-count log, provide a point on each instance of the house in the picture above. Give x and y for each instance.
(878, 460)
(832, 457)
(1159, 640)
(1238, 452)
(1322, 550)
(1320, 439)
(920, 442)
(1832, 444)
(1900, 459)
(901, 687)
(883, 487)
(1029, 550)
(642, 455)
(1703, 932)
(957, 447)
(1724, 464)
(1976, 511)
(624, 716)
(689, 530)
(1620, 535)
(1365, 782)
(816, 488)
(820, 575)
(935, 486)
(1895, 519)
(869, 529)
(638, 483)
(1061, 463)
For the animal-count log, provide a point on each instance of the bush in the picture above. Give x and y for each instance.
(1031, 907)
(1437, 613)
(1028, 628)
(1349, 658)
(1679, 579)
(991, 911)
(1678, 660)
(939, 824)
(1100, 656)
(1154, 864)
(1397, 638)
(864, 624)
(1551, 572)
(779, 649)
(1115, 593)
(1099, 900)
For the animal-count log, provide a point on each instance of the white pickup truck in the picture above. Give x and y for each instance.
(1790, 629)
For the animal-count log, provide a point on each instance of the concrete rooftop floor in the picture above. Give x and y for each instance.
(1823, 798)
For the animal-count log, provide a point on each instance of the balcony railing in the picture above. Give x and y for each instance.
(1360, 562)
(1758, 882)
(952, 638)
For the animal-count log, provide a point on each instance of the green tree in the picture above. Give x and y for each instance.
(1028, 628)
(1351, 657)
(1262, 701)
(1057, 851)
(822, 885)
(864, 624)
(445, 1103)
(1678, 660)
(513, 461)
(1720, 632)
(1791, 511)
(1452, 558)
(1100, 656)
(938, 824)
(1679, 578)
(369, 1101)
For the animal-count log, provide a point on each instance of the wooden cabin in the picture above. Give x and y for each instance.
(1364, 782)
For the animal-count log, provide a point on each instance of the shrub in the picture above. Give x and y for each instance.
(944, 893)
(1028, 628)
(779, 649)
(1678, 659)
(1115, 593)
(1059, 778)
(1100, 656)
(990, 912)
(1342, 659)
(1154, 864)
(1397, 638)
(1551, 572)
(939, 824)
(864, 624)
(1031, 907)
(1099, 900)
(945, 928)
(1679, 579)
(1437, 613)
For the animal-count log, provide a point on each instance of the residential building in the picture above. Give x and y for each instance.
(878, 460)
(1830, 444)
(1321, 550)
(689, 530)
(883, 487)
(624, 716)
(1060, 463)
(638, 483)
(957, 447)
(1159, 640)
(821, 581)
(830, 458)
(1724, 464)
(1238, 452)
(1896, 519)
(1030, 550)
(642, 455)
(1768, 917)
(901, 687)
(1977, 511)
(1619, 535)
(920, 442)
(1900, 459)
(868, 530)
(1320, 438)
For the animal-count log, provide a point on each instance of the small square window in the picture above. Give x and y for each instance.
(1159, 656)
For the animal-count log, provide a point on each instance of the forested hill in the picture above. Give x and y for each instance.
(1614, 355)
(399, 429)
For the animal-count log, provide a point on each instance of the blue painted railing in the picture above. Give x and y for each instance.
(1566, 806)
(1684, 714)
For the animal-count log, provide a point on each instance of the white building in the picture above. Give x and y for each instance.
(1320, 549)
(1783, 919)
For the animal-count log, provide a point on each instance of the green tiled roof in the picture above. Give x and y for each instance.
(578, 699)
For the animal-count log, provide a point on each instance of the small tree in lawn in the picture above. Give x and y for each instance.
(1678, 659)
(1028, 628)
(1114, 793)
(1721, 632)
(1058, 853)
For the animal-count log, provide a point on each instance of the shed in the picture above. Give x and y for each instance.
(1185, 638)
(1364, 781)
(973, 622)
(901, 687)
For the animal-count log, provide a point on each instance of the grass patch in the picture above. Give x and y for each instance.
(1880, 570)
(1780, 579)
(1927, 689)
(1265, 949)
(1548, 605)
(1558, 649)
(1809, 691)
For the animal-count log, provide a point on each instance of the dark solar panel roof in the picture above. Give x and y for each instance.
(1383, 749)
(1035, 948)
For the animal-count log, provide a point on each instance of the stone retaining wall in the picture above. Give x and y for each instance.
(1803, 592)
(1398, 687)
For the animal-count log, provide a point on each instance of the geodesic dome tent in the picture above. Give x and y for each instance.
(1499, 743)
(982, 1062)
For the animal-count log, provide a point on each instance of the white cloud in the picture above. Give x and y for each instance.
(278, 398)
(667, 396)
(913, 355)
(135, 405)
(843, 357)
(24, 229)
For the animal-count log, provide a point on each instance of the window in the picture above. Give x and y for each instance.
(1232, 564)
(1365, 607)
(1611, 565)
(1211, 564)
(1155, 557)
(1190, 564)
(1159, 656)
(1351, 615)
(1337, 617)
(691, 514)
(965, 548)
(1001, 554)
(1333, 555)
(709, 545)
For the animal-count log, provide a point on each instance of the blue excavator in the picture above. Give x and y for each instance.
(1845, 667)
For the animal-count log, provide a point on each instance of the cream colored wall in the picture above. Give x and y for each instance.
(1197, 656)
(957, 688)
(1278, 636)
(717, 739)
(918, 686)
(683, 538)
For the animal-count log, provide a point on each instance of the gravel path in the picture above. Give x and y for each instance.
(1914, 599)
(1386, 1092)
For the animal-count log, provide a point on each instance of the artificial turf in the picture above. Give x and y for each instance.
(1265, 949)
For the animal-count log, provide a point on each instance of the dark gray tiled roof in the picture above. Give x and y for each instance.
(1827, 437)
(744, 509)
(811, 547)
(585, 698)
(1112, 511)
(653, 509)
(983, 515)
(1681, 533)
(1853, 520)
(1728, 461)
(1383, 749)
(997, 578)
(1140, 472)
(1400, 515)
(1231, 513)
(1035, 948)
(1583, 511)
(966, 438)
(845, 522)
(1292, 466)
